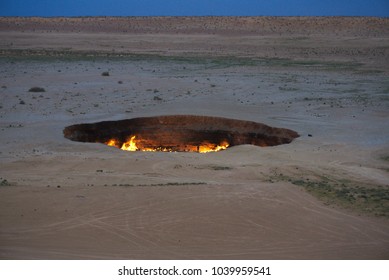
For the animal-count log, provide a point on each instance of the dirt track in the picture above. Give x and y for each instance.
(63, 199)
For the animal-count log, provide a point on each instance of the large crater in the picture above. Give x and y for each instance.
(179, 133)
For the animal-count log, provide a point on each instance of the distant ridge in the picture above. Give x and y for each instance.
(351, 26)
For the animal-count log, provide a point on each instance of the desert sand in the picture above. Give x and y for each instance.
(323, 196)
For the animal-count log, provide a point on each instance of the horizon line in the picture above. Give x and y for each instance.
(195, 16)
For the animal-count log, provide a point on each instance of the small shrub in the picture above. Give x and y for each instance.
(36, 89)
(4, 182)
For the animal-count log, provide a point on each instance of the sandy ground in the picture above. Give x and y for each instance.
(68, 200)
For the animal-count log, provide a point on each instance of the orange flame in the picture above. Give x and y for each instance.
(208, 147)
(131, 145)
(112, 143)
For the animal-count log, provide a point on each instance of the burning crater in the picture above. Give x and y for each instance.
(180, 133)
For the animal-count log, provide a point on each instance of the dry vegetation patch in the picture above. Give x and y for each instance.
(362, 197)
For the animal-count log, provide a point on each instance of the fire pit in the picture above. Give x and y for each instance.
(179, 133)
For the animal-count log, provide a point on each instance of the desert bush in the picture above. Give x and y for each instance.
(36, 89)
(4, 182)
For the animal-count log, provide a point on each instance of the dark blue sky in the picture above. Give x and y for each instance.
(378, 8)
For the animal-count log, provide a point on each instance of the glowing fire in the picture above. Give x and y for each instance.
(131, 145)
(208, 147)
(112, 143)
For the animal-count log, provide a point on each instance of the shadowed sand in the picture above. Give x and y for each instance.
(322, 196)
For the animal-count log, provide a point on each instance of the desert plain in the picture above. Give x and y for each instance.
(323, 196)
